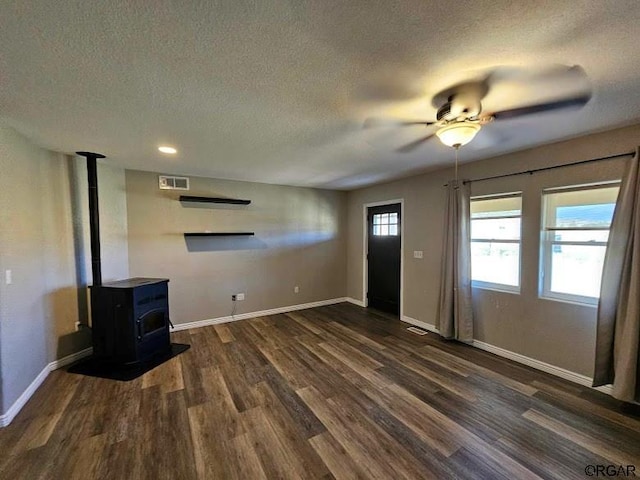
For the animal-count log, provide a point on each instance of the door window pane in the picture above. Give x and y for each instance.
(385, 224)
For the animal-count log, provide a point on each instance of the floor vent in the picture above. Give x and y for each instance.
(417, 331)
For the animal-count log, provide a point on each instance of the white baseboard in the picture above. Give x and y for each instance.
(14, 409)
(543, 366)
(516, 357)
(9, 415)
(69, 359)
(243, 316)
(355, 301)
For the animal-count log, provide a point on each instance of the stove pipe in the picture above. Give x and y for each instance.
(94, 216)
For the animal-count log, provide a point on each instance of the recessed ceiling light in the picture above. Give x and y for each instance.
(169, 150)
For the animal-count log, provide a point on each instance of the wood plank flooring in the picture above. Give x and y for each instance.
(330, 392)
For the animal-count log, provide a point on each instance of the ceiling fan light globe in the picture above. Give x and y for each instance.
(458, 134)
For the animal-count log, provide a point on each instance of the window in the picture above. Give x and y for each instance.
(575, 231)
(385, 224)
(495, 241)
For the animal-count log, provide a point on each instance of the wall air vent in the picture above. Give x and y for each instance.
(173, 183)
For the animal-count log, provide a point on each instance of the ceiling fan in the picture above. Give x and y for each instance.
(460, 114)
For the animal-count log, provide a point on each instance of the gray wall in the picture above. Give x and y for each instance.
(304, 237)
(300, 239)
(561, 334)
(44, 241)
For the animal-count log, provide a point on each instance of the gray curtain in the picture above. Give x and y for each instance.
(618, 334)
(455, 318)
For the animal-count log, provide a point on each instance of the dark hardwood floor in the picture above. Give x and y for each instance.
(330, 392)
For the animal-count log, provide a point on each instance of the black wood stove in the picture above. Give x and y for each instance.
(130, 318)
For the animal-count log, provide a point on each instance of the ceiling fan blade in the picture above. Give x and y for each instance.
(409, 147)
(551, 72)
(577, 101)
(390, 122)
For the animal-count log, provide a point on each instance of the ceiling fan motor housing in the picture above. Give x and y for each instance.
(459, 107)
(443, 112)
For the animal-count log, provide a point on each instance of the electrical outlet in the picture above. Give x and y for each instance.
(296, 289)
(78, 326)
(240, 296)
(8, 278)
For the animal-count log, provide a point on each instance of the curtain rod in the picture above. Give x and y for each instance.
(553, 167)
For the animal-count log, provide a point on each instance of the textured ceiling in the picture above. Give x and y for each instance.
(277, 91)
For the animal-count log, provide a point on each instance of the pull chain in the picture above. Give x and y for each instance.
(457, 147)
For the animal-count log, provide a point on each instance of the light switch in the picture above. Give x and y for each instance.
(8, 278)
(417, 254)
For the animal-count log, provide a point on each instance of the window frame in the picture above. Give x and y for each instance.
(499, 287)
(547, 243)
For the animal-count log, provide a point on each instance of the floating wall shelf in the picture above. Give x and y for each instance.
(193, 199)
(218, 234)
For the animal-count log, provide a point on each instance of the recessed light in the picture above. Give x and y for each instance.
(166, 149)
